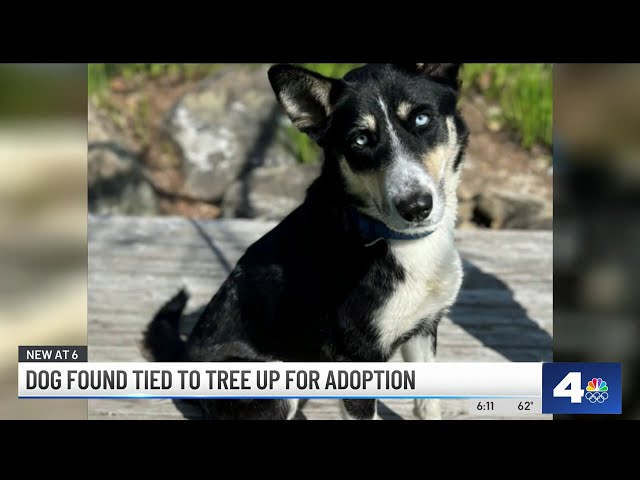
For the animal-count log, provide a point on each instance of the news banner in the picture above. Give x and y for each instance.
(514, 388)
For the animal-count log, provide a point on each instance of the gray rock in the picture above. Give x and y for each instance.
(227, 127)
(465, 212)
(115, 180)
(511, 210)
(269, 193)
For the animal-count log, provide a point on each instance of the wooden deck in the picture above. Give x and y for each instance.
(503, 313)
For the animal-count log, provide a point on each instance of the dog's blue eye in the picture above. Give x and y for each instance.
(422, 120)
(361, 140)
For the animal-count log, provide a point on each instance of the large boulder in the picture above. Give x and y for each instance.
(115, 178)
(227, 127)
(269, 193)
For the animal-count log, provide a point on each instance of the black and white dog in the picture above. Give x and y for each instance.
(367, 264)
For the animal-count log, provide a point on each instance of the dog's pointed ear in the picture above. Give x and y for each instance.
(305, 95)
(443, 72)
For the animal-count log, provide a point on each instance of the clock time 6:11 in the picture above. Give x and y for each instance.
(485, 406)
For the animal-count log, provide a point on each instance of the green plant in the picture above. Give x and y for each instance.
(524, 93)
(99, 74)
(141, 120)
(96, 78)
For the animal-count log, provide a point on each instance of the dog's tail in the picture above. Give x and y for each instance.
(162, 339)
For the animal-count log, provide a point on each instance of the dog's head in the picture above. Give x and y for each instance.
(394, 132)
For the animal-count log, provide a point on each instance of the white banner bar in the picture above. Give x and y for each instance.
(278, 379)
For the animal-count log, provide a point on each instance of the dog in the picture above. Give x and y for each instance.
(367, 263)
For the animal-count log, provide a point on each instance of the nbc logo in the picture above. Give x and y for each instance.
(597, 391)
(572, 387)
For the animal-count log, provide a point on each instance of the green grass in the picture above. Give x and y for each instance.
(97, 78)
(523, 91)
(99, 74)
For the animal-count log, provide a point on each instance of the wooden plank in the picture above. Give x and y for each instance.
(503, 312)
(511, 338)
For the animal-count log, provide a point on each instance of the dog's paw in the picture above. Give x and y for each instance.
(427, 409)
(293, 408)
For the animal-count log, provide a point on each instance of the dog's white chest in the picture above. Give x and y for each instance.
(433, 274)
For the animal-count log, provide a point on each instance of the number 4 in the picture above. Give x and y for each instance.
(573, 380)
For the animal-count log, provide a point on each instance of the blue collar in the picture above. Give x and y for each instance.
(373, 230)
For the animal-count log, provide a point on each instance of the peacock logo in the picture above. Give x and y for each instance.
(597, 391)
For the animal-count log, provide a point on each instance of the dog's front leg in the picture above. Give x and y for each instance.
(365, 409)
(422, 348)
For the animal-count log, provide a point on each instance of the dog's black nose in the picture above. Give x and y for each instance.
(416, 207)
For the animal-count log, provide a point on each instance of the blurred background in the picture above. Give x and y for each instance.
(43, 228)
(597, 219)
(209, 140)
